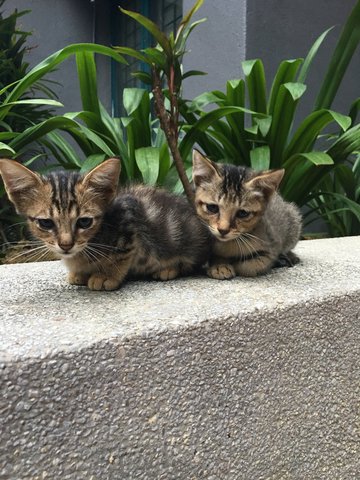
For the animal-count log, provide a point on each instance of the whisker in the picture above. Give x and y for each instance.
(30, 254)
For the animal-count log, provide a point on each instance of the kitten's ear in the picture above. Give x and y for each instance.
(203, 169)
(104, 178)
(21, 184)
(266, 182)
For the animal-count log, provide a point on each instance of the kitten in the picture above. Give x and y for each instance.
(252, 225)
(102, 236)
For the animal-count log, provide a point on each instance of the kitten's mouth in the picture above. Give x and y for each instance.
(222, 239)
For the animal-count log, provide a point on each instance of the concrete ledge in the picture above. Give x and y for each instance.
(191, 379)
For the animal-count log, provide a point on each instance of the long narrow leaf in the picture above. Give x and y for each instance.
(283, 114)
(88, 82)
(310, 128)
(285, 73)
(152, 28)
(311, 55)
(345, 48)
(203, 123)
(148, 160)
(302, 173)
(53, 60)
(255, 80)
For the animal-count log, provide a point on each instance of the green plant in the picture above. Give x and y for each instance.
(165, 64)
(13, 68)
(263, 136)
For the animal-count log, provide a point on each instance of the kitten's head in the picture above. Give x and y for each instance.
(230, 199)
(63, 209)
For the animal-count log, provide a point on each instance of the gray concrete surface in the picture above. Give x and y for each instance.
(190, 379)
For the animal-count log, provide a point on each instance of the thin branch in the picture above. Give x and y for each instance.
(169, 124)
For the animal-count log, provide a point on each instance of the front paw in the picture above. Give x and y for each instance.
(166, 274)
(221, 272)
(76, 278)
(99, 281)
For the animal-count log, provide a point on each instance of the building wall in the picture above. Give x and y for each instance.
(283, 30)
(273, 30)
(57, 23)
(216, 46)
(236, 29)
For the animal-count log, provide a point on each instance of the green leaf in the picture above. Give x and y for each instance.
(34, 133)
(88, 81)
(143, 77)
(188, 15)
(203, 123)
(132, 98)
(311, 55)
(92, 161)
(354, 111)
(260, 158)
(165, 163)
(156, 57)
(147, 160)
(351, 206)
(255, 80)
(53, 60)
(131, 52)
(302, 173)
(65, 148)
(153, 29)
(283, 114)
(192, 73)
(344, 50)
(183, 34)
(347, 144)
(6, 150)
(285, 73)
(34, 101)
(204, 99)
(310, 128)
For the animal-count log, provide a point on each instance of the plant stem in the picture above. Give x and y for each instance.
(169, 124)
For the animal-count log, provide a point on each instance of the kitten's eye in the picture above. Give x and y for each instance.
(212, 208)
(242, 214)
(46, 223)
(84, 222)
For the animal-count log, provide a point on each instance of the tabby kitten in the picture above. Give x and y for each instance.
(102, 236)
(252, 225)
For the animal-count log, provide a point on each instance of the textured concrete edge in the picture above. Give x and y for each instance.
(210, 324)
(141, 406)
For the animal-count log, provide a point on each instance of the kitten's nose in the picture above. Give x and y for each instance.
(66, 246)
(223, 231)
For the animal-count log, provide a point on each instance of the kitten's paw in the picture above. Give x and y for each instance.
(221, 272)
(166, 274)
(99, 281)
(288, 259)
(75, 278)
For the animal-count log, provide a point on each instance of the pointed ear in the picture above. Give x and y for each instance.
(104, 178)
(203, 168)
(266, 182)
(21, 184)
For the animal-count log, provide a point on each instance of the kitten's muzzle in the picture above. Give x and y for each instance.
(223, 232)
(66, 247)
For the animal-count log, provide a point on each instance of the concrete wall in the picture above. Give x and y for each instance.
(188, 379)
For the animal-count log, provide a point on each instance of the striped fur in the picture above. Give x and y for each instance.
(105, 236)
(252, 225)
